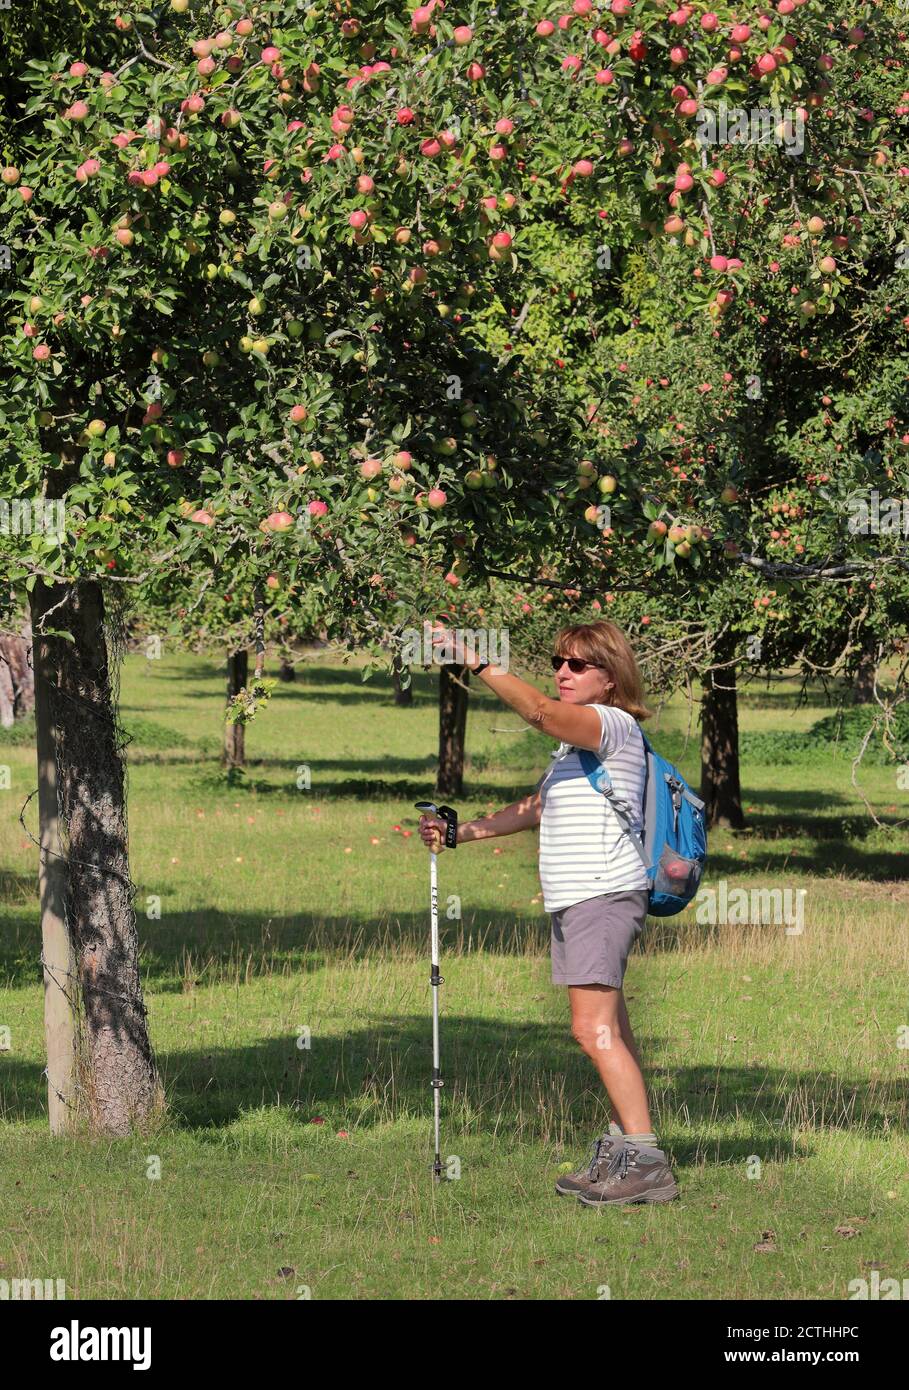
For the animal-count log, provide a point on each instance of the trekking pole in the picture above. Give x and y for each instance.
(450, 817)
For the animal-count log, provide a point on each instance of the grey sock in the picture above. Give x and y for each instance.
(647, 1143)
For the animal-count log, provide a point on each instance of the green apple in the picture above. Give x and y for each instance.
(256, 305)
(295, 328)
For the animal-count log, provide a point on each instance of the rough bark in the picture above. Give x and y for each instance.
(235, 734)
(863, 687)
(453, 699)
(101, 1070)
(7, 690)
(23, 674)
(720, 785)
(17, 684)
(286, 670)
(403, 693)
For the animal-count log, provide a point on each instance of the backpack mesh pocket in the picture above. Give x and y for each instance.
(676, 875)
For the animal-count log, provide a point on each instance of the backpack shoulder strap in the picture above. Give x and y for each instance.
(598, 777)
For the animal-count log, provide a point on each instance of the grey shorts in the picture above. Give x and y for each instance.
(591, 940)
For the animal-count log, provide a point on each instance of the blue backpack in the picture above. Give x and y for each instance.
(673, 849)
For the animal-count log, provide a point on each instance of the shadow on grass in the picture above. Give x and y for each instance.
(189, 950)
(825, 859)
(19, 888)
(313, 682)
(520, 1082)
(209, 778)
(770, 691)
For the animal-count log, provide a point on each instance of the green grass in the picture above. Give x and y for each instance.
(279, 913)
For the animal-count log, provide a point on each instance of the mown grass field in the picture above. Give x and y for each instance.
(285, 909)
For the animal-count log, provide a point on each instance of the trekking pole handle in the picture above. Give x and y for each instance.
(445, 813)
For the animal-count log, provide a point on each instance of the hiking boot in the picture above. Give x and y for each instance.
(630, 1175)
(573, 1183)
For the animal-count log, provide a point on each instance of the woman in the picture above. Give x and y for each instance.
(593, 880)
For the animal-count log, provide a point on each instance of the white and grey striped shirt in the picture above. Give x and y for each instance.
(584, 850)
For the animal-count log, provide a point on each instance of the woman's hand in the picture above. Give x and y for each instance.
(447, 649)
(432, 833)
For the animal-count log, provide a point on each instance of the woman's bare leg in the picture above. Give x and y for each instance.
(599, 1023)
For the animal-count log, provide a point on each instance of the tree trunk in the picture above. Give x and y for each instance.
(17, 684)
(286, 671)
(720, 787)
(23, 674)
(403, 692)
(235, 734)
(7, 689)
(452, 727)
(863, 688)
(101, 1070)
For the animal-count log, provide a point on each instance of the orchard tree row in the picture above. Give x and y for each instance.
(272, 274)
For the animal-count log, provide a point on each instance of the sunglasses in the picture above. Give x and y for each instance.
(575, 664)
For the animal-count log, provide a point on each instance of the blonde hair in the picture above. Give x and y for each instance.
(604, 644)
